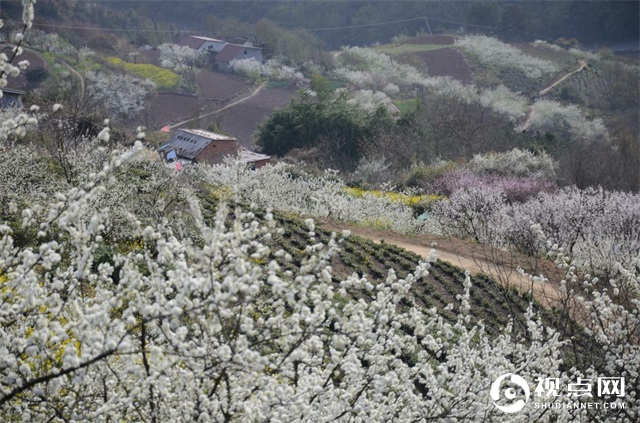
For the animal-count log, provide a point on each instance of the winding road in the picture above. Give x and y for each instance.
(583, 65)
(527, 120)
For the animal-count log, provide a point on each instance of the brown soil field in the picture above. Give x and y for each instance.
(241, 121)
(428, 39)
(167, 108)
(218, 86)
(442, 62)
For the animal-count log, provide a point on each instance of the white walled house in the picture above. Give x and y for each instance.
(210, 45)
(232, 52)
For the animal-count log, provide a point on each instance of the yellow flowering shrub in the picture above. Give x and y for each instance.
(396, 197)
(163, 78)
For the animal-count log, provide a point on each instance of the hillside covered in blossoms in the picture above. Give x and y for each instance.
(434, 227)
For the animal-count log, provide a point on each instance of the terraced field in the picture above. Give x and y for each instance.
(434, 54)
(393, 49)
(445, 61)
(490, 302)
(592, 87)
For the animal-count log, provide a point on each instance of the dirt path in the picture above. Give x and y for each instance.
(78, 75)
(228, 106)
(500, 265)
(583, 65)
(525, 125)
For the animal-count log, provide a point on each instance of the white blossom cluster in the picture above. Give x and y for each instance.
(494, 52)
(372, 170)
(374, 72)
(515, 162)
(176, 327)
(16, 125)
(500, 99)
(249, 68)
(369, 100)
(598, 229)
(184, 60)
(50, 42)
(276, 187)
(143, 186)
(177, 330)
(366, 68)
(550, 46)
(272, 68)
(565, 121)
(121, 94)
(25, 177)
(579, 53)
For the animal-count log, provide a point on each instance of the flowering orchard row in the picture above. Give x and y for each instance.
(223, 323)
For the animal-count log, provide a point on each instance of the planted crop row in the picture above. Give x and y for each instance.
(441, 287)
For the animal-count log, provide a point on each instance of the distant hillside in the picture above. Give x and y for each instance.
(588, 21)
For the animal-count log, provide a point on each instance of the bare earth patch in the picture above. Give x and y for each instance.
(441, 62)
(218, 86)
(166, 108)
(242, 120)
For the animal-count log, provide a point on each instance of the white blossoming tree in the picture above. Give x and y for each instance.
(184, 60)
(568, 122)
(272, 68)
(121, 95)
(494, 52)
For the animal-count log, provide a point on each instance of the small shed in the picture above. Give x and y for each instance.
(232, 52)
(11, 99)
(256, 160)
(197, 145)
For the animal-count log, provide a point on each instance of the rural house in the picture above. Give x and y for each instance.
(236, 52)
(210, 45)
(237, 40)
(197, 145)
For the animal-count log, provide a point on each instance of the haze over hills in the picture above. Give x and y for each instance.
(589, 22)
